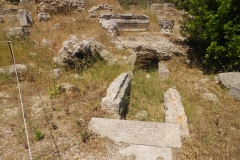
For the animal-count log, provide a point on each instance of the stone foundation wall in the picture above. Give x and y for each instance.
(48, 6)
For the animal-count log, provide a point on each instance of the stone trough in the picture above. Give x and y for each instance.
(116, 100)
(127, 22)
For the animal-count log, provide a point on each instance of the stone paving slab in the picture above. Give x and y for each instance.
(138, 132)
(147, 152)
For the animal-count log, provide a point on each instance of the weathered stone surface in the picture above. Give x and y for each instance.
(78, 49)
(145, 57)
(147, 152)
(210, 97)
(174, 111)
(127, 22)
(43, 17)
(138, 132)
(229, 79)
(56, 73)
(25, 18)
(235, 91)
(94, 11)
(163, 71)
(53, 6)
(68, 88)
(10, 70)
(117, 97)
(146, 44)
(111, 27)
(18, 33)
(166, 26)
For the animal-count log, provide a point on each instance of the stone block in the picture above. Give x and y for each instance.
(235, 91)
(229, 79)
(25, 18)
(128, 22)
(116, 100)
(138, 132)
(21, 68)
(43, 17)
(18, 32)
(166, 26)
(174, 111)
(163, 71)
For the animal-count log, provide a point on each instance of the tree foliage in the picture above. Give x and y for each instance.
(214, 29)
(181, 4)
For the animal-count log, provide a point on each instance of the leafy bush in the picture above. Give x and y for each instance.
(181, 4)
(214, 30)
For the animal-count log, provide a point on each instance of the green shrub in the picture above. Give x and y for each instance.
(214, 31)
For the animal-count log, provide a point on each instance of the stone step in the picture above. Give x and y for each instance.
(138, 132)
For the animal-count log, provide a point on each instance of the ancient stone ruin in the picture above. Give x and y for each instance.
(75, 50)
(166, 26)
(116, 100)
(25, 18)
(127, 22)
(53, 6)
(94, 11)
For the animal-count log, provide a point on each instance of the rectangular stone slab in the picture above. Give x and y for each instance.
(138, 132)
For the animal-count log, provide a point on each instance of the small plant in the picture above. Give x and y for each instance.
(54, 126)
(84, 136)
(38, 134)
(54, 91)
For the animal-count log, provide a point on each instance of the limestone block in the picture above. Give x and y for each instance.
(117, 97)
(21, 68)
(163, 71)
(79, 49)
(137, 132)
(174, 111)
(110, 26)
(166, 26)
(68, 88)
(128, 22)
(229, 79)
(25, 18)
(43, 17)
(235, 91)
(18, 33)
